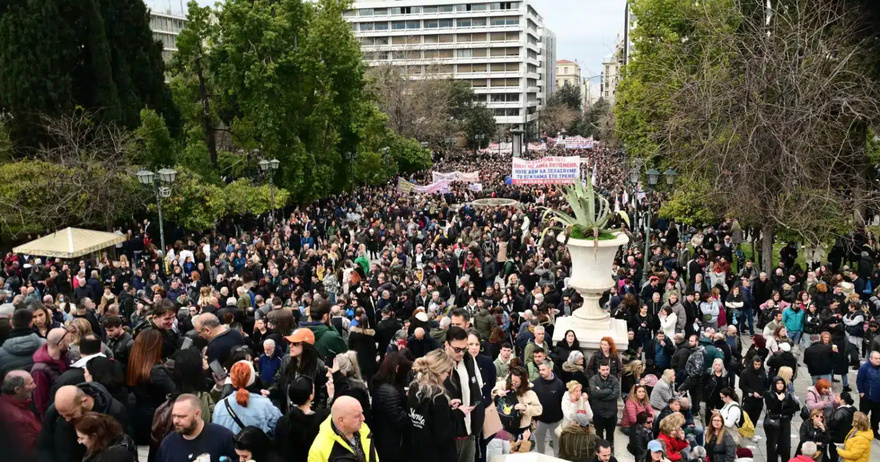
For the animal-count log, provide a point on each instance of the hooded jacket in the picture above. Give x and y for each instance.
(857, 446)
(785, 408)
(45, 372)
(330, 447)
(57, 439)
(17, 352)
(328, 342)
(577, 443)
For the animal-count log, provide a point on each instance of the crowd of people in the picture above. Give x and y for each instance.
(378, 325)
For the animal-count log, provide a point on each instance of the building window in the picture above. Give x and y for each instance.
(365, 12)
(380, 25)
(446, 23)
(464, 23)
(467, 53)
(366, 26)
(432, 24)
(413, 25)
(398, 25)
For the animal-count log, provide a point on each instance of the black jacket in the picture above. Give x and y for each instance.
(295, 432)
(121, 450)
(785, 408)
(638, 442)
(550, 396)
(57, 439)
(818, 358)
(782, 358)
(841, 422)
(363, 341)
(752, 381)
(434, 426)
(453, 389)
(809, 433)
(392, 435)
(385, 331)
(121, 347)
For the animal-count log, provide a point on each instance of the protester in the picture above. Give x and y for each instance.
(15, 406)
(856, 447)
(104, 439)
(192, 437)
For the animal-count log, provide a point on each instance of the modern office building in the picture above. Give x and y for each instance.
(500, 48)
(166, 27)
(567, 73)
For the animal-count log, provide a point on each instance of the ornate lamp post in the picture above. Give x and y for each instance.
(653, 177)
(161, 183)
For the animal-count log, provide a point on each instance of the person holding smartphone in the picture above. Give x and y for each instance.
(464, 388)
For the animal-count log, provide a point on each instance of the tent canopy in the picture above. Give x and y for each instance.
(69, 243)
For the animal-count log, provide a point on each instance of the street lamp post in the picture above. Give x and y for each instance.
(165, 176)
(653, 176)
(270, 167)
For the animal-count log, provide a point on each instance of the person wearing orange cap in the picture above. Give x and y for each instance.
(302, 360)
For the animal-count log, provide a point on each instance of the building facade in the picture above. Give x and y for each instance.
(611, 67)
(166, 27)
(499, 48)
(548, 65)
(567, 73)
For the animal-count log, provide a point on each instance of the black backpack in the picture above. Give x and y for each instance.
(509, 416)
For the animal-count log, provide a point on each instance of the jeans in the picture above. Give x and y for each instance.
(541, 435)
(795, 337)
(747, 315)
(466, 449)
(605, 427)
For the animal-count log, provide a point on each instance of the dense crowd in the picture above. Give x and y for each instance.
(377, 325)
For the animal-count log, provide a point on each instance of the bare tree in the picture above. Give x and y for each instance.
(772, 110)
(82, 178)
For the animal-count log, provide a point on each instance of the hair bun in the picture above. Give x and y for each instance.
(420, 365)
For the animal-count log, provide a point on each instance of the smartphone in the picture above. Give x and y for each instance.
(217, 369)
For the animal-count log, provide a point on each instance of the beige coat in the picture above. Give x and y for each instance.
(529, 398)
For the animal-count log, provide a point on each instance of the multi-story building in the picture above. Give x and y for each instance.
(497, 47)
(611, 66)
(166, 27)
(567, 73)
(548, 66)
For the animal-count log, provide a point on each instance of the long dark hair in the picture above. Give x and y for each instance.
(564, 343)
(187, 372)
(253, 439)
(523, 380)
(304, 363)
(102, 430)
(394, 370)
(146, 353)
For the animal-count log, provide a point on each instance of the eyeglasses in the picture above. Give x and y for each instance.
(458, 350)
(295, 343)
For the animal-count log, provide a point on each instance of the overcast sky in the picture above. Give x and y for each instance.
(586, 30)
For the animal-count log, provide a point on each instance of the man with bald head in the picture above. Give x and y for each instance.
(57, 440)
(221, 339)
(344, 435)
(192, 438)
(50, 361)
(15, 406)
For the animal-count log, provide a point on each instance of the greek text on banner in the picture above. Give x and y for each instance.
(547, 170)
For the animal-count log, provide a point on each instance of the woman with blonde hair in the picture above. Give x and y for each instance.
(720, 445)
(574, 401)
(664, 390)
(204, 296)
(430, 409)
(632, 376)
(77, 328)
(856, 447)
(672, 434)
(243, 408)
(636, 402)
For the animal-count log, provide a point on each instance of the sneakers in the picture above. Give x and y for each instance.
(847, 388)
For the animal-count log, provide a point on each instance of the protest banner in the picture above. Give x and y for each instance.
(476, 187)
(404, 186)
(470, 177)
(548, 170)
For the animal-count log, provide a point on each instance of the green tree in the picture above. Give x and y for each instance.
(158, 147)
(570, 96)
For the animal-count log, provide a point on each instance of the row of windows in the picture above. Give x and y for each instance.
(168, 41)
(449, 54)
(437, 24)
(444, 38)
(494, 6)
(167, 24)
(507, 112)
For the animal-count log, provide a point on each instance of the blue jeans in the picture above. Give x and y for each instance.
(747, 315)
(795, 337)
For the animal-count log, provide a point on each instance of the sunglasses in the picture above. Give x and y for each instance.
(458, 350)
(296, 344)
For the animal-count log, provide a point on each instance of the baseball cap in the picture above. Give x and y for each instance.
(302, 335)
(650, 380)
(655, 446)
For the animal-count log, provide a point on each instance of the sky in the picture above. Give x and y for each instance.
(586, 30)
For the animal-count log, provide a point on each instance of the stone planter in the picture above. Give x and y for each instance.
(591, 276)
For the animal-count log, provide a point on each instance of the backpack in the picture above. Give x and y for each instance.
(695, 365)
(747, 428)
(509, 416)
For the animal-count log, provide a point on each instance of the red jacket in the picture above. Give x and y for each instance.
(19, 415)
(45, 371)
(674, 446)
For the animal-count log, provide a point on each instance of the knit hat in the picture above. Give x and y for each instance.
(581, 419)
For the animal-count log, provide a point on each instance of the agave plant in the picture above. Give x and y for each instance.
(587, 218)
